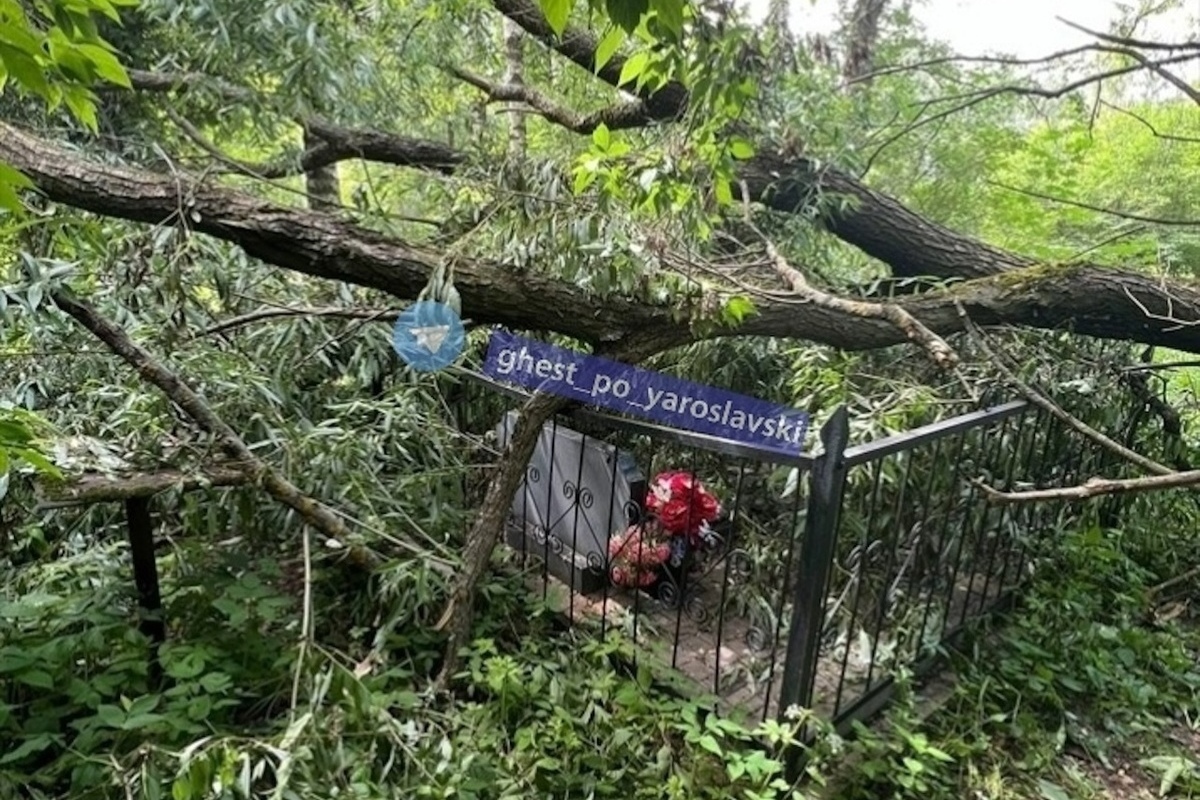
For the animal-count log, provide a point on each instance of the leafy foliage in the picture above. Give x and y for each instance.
(250, 705)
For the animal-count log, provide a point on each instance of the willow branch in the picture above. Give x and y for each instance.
(315, 513)
(1052, 408)
(942, 354)
(630, 114)
(1126, 41)
(263, 314)
(91, 489)
(338, 143)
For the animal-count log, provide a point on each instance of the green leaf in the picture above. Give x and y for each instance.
(633, 67)
(738, 307)
(80, 102)
(627, 13)
(36, 677)
(583, 179)
(1051, 791)
(14, 433)
(723, 192)
(601, 137)
(106, 65)
(670, 14)
(10, 200)
(34, 744)
(740, 148)
(557, 13)
(36, 460)
(110, 715)
(25, 70)
(609, 45)
(710, 744)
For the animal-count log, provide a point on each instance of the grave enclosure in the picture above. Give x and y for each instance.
(825, 572)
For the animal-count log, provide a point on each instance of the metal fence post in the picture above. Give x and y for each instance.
(145, 576)
(827, 483)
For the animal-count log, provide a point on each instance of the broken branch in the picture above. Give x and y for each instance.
(256, 470)
(1057, 411)
(1096, 487)
(90, 489)
(631, 114)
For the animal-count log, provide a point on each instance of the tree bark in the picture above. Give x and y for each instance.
(321, 181)
(488, 525)
(1092, 300)
(90, 489)
(864, 32)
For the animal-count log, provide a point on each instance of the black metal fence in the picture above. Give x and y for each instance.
(820, 577)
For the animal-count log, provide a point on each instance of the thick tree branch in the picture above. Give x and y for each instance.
(1095, 301)
(333, 143)
(489, 523)
(880, 226)
(665, 104)
(864, 31)
(90, 489)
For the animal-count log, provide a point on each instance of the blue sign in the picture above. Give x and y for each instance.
(643, 393)
(429, 336)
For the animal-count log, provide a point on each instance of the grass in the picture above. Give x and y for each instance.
(1090, 689)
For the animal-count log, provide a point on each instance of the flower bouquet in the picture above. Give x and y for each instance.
(680, 510)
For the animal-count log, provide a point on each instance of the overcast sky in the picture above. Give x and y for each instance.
(1025, 28)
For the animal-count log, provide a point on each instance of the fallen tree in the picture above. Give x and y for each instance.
(1092, 300)
(984, 284)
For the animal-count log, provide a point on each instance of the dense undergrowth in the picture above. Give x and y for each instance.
(1089, 663)
(1096, 671)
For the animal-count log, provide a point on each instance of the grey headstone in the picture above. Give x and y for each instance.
(578, 492)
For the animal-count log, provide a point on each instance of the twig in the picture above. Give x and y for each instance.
(306, 620)
(1171, 137)
(1188, 223)
(311, 510)
(382, 315)
(942, 354)
(1161, 365)
(1129, 42)
(629, 114)
(1158, 589)
(1048, 405)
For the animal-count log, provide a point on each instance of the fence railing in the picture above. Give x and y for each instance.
(822, 576)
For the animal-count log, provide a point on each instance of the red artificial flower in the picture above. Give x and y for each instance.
(637, 554)
(681, 503)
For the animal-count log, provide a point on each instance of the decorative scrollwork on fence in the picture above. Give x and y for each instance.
(756, 639)
(740, 563)
(668, 592)
(695, 607)
(633, 512)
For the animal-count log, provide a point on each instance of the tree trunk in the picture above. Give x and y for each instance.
(489, 524)
(1093, 300)
(322, 182)
(864, 32)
